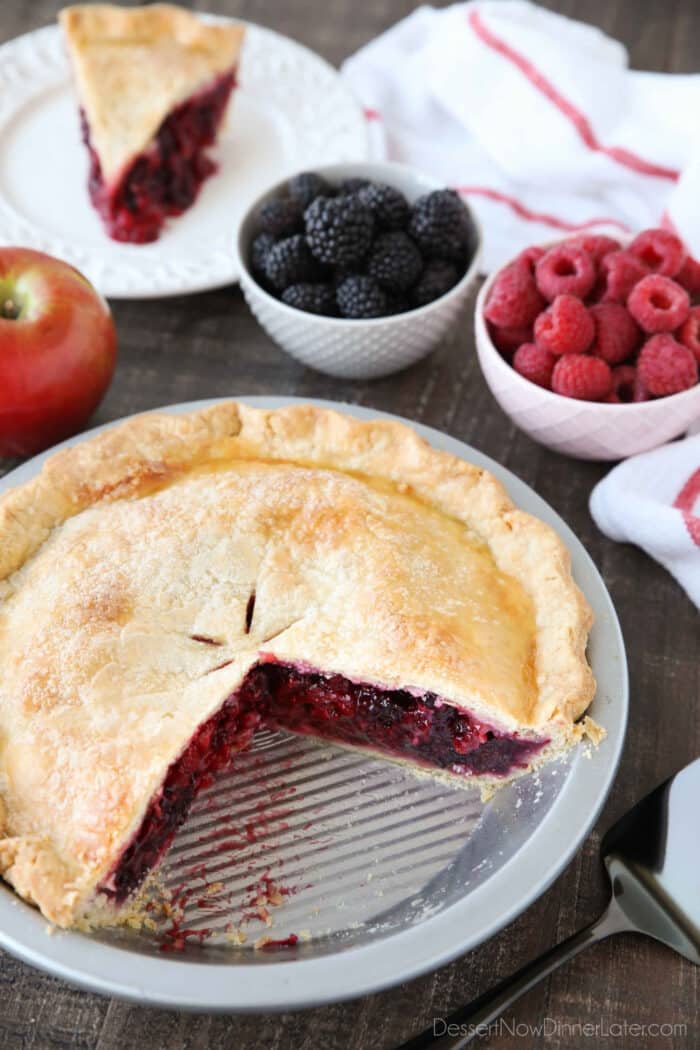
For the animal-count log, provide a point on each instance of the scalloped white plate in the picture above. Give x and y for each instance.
(291, 111)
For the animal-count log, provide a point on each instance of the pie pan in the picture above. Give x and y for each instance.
(381, 875)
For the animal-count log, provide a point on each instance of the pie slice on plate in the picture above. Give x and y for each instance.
(154, 83)
(172, 584)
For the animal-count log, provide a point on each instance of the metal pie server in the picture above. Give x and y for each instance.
(652, 856)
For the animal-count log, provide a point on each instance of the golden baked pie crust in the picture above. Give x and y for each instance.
(134, 65)
(372, 555)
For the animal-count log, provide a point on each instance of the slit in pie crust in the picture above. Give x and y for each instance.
(172, 584)
(154, 83)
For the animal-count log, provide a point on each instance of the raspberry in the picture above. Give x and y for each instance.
(281, 217)
(507, 340)
(441, 226)
(583, 377)
(689, 332)
(361, 297)
(665, 366)
(566, 327)
(658, 304)
(689, 275)
(660, 251)
(535, 364)
(532, 255)
(307, 187)
(616, 334)
(596, 245)
(620, 271)
(395, 262)
(313, 298)
(514, 299)
(626, 386)
(565, 270)
(290, 262)
(339, 230)
(389, 207)
(437, 278)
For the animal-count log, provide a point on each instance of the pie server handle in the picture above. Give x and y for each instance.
(471, 1021)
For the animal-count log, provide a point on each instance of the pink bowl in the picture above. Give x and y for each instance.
(583, 429)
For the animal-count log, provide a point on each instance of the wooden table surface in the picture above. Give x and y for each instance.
(209, 345)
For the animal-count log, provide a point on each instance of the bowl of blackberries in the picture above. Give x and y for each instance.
(358, 270)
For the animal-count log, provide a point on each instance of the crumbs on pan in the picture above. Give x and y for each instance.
(235, 935)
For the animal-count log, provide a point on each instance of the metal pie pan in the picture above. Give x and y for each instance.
(388, 875)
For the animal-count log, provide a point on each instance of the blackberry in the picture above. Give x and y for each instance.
(437, 278)
(306, 187)
(313, 298)
(395, 262)
(339, 230)
(389, 207)
(441, 226)
(281, 217)
(361, 297)
(348, 186)
(290, 262)
(399, 304)
(258, 252)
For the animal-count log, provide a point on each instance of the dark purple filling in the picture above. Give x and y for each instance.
(210, 751)
(395, 722)
(165, 179)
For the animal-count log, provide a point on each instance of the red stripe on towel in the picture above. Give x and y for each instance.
(523, 212)
(685, 501)
(574, 115)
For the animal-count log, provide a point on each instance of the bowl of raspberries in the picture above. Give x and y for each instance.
(592, 345)
(358, 270)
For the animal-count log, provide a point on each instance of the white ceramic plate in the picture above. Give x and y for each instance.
(390, 875)
(291, 111)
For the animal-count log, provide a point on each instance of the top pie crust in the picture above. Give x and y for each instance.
(372, 555)
(134, 65)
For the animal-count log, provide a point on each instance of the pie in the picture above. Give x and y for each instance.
(170, 585)
(154, 83)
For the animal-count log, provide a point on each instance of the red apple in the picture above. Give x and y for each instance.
(57, 350)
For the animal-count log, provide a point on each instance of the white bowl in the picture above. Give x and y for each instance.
(583, 429)
(355, 349)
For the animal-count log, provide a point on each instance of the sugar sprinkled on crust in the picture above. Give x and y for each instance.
(295, 465)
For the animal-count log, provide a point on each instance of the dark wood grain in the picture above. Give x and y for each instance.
(209, 345)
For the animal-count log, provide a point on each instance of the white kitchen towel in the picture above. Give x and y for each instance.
(653, 500)
(537, 119)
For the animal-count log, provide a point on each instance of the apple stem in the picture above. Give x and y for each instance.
(10, 310)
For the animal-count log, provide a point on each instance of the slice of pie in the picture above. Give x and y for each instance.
(154, 83)
(170, 585)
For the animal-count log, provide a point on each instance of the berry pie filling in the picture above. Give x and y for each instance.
(165, 179)
(419, 727)
(210, 751)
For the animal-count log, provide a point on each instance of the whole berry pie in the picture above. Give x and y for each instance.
(154, 83)
(173, 584)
